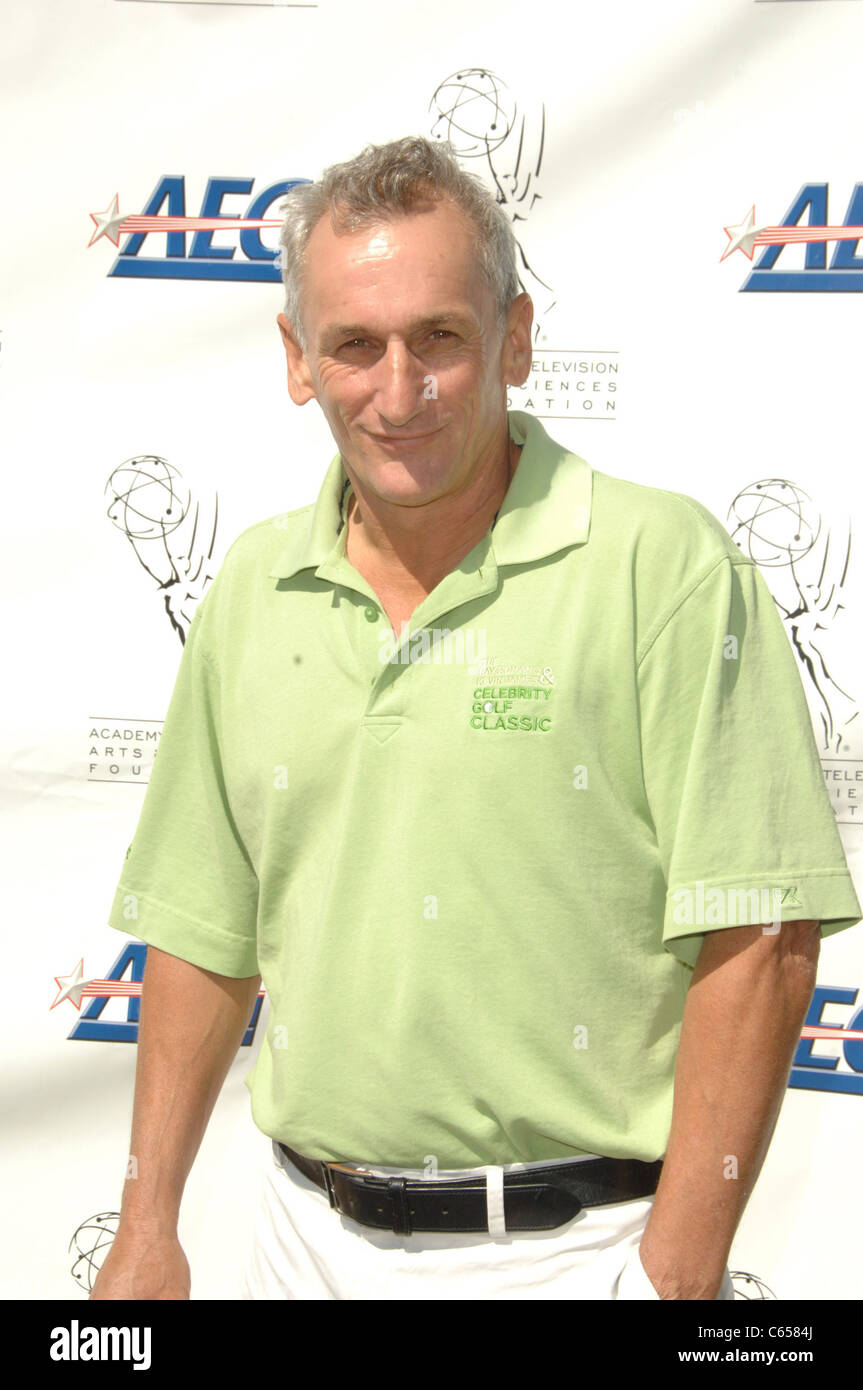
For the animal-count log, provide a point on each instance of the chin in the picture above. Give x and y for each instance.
(403, 470)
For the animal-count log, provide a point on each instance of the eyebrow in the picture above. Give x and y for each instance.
(358, 330)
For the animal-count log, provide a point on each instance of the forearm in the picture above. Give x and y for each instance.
(741, 1023)
(192, 1022)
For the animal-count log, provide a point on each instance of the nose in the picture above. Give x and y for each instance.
(399, 395)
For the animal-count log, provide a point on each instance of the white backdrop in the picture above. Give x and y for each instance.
(645, 129)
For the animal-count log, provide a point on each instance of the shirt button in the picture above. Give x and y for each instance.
(372, 614)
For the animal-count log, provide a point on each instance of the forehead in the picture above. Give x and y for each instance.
(413, 261)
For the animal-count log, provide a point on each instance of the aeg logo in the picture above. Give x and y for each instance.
(123, 981)
(165, 215)
(843, 273)
(820, 1073)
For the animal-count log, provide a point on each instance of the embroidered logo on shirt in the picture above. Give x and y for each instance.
(491, 671)
(511, 698)
(790, 897)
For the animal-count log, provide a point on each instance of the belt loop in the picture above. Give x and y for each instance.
(494, 1201)
(328, 1182)
(397, 1189)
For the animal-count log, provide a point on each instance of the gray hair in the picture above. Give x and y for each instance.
(394, 179)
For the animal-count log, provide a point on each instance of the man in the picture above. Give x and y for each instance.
(500, 772)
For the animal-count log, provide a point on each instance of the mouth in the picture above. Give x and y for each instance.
(404, 438)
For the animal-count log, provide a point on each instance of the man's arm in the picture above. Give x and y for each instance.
(192, 1022)
(741, 1024)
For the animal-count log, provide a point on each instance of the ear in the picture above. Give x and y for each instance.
(517, 352)
(300, 384)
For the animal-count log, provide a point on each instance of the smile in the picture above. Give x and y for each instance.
(403, 438)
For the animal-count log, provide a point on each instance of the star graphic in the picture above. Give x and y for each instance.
(742, 236)
(71, 986)
(108, 223)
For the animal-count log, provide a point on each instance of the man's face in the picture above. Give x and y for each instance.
(405, 353)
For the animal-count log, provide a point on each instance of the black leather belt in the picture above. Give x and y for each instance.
(535, 1199)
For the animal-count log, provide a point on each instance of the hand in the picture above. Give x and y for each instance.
(672, 1283)
(143, 1265)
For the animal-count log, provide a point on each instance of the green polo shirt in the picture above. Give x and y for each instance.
(475, 874)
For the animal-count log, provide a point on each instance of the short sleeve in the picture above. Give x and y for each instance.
(744, 826)
(187, 885)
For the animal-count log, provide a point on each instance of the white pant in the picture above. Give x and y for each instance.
(303, 1249)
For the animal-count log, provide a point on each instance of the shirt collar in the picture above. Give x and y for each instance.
(547, 507)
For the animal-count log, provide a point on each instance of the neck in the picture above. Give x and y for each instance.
(418, 546)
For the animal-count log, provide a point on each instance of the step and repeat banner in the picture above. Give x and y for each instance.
(686, 186)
